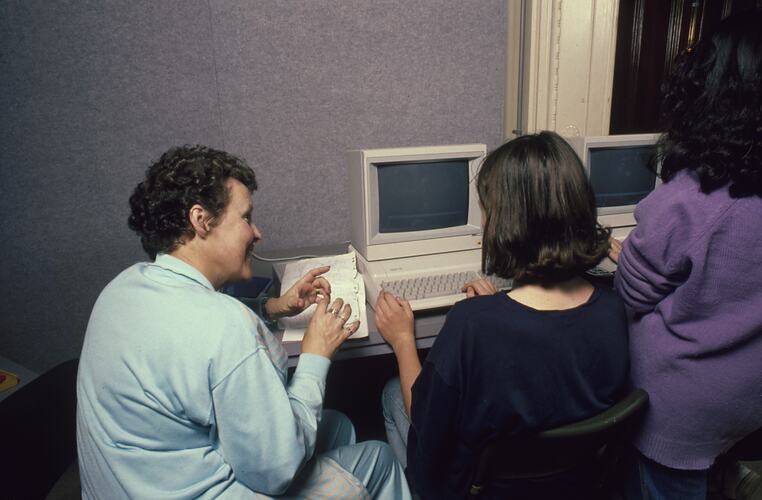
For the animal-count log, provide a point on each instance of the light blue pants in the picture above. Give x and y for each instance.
(395, 419)
(371, 462)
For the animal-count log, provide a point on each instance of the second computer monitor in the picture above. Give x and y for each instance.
(622, 171)
(415, 201)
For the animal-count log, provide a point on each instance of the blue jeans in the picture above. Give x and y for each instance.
(649, 480)
(396, 421)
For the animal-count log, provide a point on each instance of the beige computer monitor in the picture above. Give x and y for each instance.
(414, 201)
(622, 170)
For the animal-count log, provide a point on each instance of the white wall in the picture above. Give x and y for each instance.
(569, 65)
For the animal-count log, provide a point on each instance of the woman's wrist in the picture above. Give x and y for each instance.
(404, 343)
(270, 307)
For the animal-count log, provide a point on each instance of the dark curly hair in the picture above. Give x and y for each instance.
(712, 109)
(540, 215)
(181, 178)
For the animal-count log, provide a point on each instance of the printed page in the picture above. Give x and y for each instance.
(346, 282)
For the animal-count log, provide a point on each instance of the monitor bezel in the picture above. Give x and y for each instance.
(376, 237)
(375, 245)
(620, 215)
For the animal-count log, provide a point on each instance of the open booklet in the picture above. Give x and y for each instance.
(346, 283)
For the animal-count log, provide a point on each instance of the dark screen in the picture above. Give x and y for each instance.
(421, 196)
(621, 175)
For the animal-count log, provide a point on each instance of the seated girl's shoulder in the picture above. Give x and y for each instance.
(475, 310)
(478, 304)
(607, 294)
(608, 307)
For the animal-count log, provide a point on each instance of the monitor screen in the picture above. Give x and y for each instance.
(420, 196)
(620, 175)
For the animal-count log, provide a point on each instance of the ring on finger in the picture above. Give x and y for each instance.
(330, 311)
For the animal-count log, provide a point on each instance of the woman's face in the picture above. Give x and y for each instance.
(233, 238)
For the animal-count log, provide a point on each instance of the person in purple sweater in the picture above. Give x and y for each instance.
(690, 274)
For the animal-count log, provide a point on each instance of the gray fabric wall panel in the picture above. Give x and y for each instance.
(302, 82)
(92, 92)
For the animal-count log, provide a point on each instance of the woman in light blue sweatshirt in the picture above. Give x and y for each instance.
(183, 392)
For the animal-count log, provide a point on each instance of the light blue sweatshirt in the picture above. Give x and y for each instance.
(183, 393)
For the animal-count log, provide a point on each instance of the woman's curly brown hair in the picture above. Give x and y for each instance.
(182, 177)
(712, 109)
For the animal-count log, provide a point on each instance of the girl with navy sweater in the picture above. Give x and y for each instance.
(551, 351)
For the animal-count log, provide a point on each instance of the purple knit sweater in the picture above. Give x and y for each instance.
(691, 275)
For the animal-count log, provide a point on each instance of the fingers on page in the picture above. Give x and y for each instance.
(347, 311)
(323, 301)
(322, 284)
(314, 273)
(352, 327)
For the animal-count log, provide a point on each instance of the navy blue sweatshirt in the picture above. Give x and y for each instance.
(498, 365)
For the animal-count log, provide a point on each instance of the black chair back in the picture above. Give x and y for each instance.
(749, 449)
(39, 432)
(587, 446)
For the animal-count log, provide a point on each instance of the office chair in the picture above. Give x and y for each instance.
(39, 433)
(726, 466)
(587, 449)
(749, 449)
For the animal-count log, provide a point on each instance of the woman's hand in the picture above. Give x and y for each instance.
(479, 287)
(328, 329)
(394, 320)
(301, 295)
(615, 250)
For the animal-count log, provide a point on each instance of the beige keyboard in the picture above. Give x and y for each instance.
(441, 290)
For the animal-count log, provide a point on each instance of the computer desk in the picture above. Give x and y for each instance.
(427, 326)
(427, 323)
